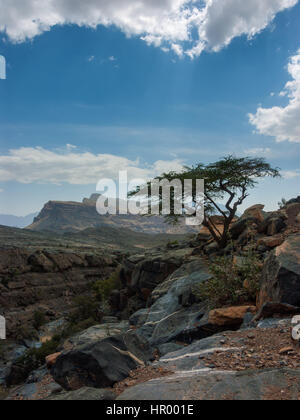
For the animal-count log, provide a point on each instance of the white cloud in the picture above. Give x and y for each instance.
(163, 23)
(291, 174)
(91, 58)
(283, 123)
(38, 165)
(258, 151)
(178, 50)
(1, 190)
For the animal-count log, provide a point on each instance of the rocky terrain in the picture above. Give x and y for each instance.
(45, 281)
(162, 340)
(105, 238)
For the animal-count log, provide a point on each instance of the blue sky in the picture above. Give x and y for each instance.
(73, 93)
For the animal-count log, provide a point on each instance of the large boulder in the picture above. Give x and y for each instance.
(101, 364)
(239, 227)
(274, 223)
(256, 212)
(96, 333)
(141, 274)
(232, 317)
(175, 308)
(271, 309)
(294, 200)
(281, 274)
(271, 242)
(148, 273)
(177, 314)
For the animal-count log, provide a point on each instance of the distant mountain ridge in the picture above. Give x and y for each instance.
(71, 216)
(17, 221)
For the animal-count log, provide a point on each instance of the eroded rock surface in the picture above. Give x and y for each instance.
(281, 274)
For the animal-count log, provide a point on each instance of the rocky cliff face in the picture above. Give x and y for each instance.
(44, 281)
(72, 216)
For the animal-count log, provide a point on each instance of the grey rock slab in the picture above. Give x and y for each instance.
(216, 385)
(85, 394)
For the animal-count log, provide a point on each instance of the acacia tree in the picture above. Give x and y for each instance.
(228, 181)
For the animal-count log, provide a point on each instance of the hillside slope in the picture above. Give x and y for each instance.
(105, 238)
(58, 216)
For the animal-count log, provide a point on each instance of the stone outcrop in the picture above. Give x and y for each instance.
(101, 364)
(46, 282)
(233, 316)
(69, 216)
(175, 309)
(281, 274)
(141, 274)
(242, 365)
(214, 385)
(95, 334)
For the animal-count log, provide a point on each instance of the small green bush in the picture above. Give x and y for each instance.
(35, 358)
(39, 319)
(103, 288)
(85, 308)
(233, 282)
(172, 244)
(282, 203)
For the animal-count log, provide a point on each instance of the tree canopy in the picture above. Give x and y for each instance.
(227, 181)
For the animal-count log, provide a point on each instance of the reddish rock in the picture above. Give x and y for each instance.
(286, 350)
(51, 359)
(256, 212)
(230, 316)
(293, 213)
(271, 242)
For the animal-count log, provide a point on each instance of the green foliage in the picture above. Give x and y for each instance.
(85, 307)
(282, 203)
(39, 319)
(228, 180)
(103, 288)
(172, 244)
(23, 332)
(234, 281)
(35, 358)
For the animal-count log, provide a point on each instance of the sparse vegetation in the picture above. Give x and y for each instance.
(235, 280)
(39, 319)
(25, 332)
(172, 244)
(103, 288)
(282, 203)
(35, 358)
(85, 308)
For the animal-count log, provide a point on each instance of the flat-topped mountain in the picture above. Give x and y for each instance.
(58, 216)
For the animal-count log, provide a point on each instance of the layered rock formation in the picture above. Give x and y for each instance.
(46, 282)
(58, 216)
